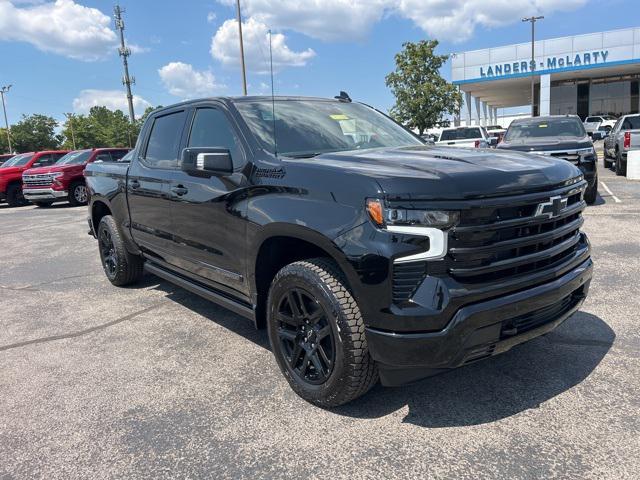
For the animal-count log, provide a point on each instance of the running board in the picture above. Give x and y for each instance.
(201, 290)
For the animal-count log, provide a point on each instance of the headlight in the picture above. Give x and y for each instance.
(432, 224)
(56, 174)
(586, 151)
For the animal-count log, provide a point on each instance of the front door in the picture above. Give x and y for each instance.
(208, 225)
(148, 184)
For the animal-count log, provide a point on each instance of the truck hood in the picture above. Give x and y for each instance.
(440, 173)
(54, 169)
(547, 144)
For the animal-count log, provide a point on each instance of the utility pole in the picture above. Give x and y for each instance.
(73, 135)
(244, 73)
(3, 91)
(533, 21)
(124, 52)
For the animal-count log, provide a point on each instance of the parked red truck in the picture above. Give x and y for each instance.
(64, 181)
(11, 173)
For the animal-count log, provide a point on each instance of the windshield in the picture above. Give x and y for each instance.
(18, 160)
(593, 119)
(556, 127)
(305, 128)
(461, 134)
(75, 158)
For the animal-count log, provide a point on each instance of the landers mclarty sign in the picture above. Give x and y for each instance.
(548, 63)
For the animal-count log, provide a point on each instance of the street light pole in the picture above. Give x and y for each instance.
(4, 90)
(533, 21)
(244, 74)
(73, 136)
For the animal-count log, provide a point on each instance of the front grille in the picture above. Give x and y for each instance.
(37, 180)
(406, 279)
(501, 242)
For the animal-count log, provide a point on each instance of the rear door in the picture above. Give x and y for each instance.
(148, 183)
(208, 224)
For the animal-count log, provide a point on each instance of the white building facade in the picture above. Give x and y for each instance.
(593, 74)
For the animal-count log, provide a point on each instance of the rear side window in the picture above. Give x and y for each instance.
(211, 128)
(118, 154)
(164, 140)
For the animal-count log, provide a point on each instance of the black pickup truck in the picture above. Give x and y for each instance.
(365, 253)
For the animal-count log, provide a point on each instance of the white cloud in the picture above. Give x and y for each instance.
(211, 17)
(182, 80)
(346, 20)
(224, 47)
(135, 48)
(112, 99)
(62, 27)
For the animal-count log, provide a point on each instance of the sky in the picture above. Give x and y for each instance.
(61, 56)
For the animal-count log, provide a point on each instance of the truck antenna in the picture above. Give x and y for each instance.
(273, 100)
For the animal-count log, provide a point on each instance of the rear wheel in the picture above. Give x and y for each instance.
(121, 267)
(78, 194)
(620, 166)
(14, 196)
(317, 334)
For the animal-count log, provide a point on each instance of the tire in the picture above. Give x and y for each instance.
(14, 196)
(121, 267)
(43, 204)
(334, 322)
(78, 194)
(605, 157)
(591, 193)
(620, 168)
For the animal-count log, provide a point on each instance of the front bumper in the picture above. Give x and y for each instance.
(38, 194)
(479, 330)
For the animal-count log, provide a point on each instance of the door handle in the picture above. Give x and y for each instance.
(179, 190)
(134, 184)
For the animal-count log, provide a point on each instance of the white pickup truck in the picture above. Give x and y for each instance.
(469, 137)
(599, 122)
(625, 136)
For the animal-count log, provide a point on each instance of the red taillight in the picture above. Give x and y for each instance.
(627, 139)
(477, 144)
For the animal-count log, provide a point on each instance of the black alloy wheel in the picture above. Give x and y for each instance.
(305, 336)
(108, 253)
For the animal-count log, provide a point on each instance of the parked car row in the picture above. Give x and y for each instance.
(50, 176)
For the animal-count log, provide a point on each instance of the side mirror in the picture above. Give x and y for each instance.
(207, 160)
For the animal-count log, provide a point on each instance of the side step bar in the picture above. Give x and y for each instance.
(201, 290)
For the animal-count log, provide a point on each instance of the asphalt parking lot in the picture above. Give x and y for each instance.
(152, 381)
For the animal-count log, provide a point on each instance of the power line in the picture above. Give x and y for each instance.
(124, 52)
(3, 91)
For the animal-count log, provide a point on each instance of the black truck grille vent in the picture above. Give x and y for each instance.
(537, 318)
(496, 243)
(406, 279)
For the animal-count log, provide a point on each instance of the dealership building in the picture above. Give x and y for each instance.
(591, 74)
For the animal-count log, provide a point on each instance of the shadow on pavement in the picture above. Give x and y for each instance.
(489, 390)
(500, 387)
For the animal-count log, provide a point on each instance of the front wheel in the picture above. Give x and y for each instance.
(121, 267)
(591, 193)
(317, 334)
(78, 194)
(14, 196)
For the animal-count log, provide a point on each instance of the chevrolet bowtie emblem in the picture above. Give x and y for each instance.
(552, 208)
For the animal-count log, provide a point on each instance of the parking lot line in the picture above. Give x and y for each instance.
(616, 199)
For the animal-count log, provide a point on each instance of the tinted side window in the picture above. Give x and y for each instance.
(211, 128)
(103, 157)
(164, 140)
(43, 161)
(57, 156)
(118, 154)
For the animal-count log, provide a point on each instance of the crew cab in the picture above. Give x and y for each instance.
(600, 122)
(625, 136)
(558, 136)
(364, 252)
(475, 137)
(64, 180)
(11, 173)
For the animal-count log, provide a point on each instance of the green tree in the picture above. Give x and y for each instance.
(423, 97)
(33, 133)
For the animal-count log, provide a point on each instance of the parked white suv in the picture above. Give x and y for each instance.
(599, 122)
(466, 137)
